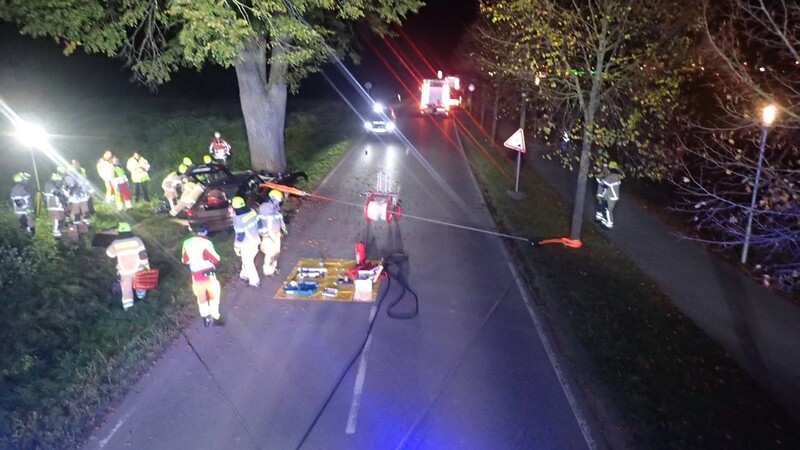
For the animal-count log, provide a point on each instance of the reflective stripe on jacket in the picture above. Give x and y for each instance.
(199, 253)
(21, 199)
(610, 184)
(128, 252)
(271, 218)
(139, 169)
(246, 227)
(105, 169)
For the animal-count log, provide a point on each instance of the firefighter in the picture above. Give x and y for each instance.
(55, 197)
(171, 184)
(105, 168)
(199, 254)
(187, 161)
(272, 227)
(219, 149)
(122, 193)
(77, 195)
(131, 257)
(190, 193)
(246, 224)
(608, 184)
(21, 202)
(139, 168)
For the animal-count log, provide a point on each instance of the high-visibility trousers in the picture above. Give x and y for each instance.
(249, 271)
(207, 293)
(126, 286)
(271, 247)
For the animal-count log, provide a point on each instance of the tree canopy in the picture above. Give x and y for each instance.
(156, 38)
(606, 72)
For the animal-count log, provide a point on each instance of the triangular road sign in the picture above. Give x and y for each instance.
(516, 141)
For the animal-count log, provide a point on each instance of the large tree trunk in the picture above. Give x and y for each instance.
(580, 193)
(263, 105)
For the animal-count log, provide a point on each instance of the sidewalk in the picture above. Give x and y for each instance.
(760, 330)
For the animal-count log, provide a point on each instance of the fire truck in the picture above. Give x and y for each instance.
(440, 96)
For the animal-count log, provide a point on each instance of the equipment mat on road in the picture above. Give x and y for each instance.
(327, 274)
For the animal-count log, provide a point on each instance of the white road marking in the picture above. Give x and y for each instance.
(562, 379)
(103, 443)
(361, 375)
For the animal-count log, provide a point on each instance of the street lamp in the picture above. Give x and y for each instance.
(33, 136)
(767, 117)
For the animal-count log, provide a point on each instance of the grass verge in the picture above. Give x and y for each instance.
(67, 349)
(667, 382)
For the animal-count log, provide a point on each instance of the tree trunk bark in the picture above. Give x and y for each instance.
(580, 193)
(263, 105)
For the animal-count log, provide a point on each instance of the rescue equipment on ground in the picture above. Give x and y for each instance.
(382, 204)
(311, 272)
(301, 287)
(146, 279)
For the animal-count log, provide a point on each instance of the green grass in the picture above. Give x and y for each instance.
(68, 351)
(670, 385)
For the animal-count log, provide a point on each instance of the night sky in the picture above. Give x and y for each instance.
(37, 68)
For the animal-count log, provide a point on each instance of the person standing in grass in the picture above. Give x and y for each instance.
(21, 202)
(199, 254)
(105, 168)
(55, 198)
(139, 168)
(78, 195)
(131, 257)
(122, 193)
(219, 149)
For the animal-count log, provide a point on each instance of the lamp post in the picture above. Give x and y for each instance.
(767, 117)
(33, 136)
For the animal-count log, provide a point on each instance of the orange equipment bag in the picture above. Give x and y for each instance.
(146, 279)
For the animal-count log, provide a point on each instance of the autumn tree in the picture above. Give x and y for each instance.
(272, 44)
(606, 72)
(752, 58)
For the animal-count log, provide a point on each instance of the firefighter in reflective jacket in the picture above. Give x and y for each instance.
(246, 224)
(21, 202)
(608, 184)
(139, 168)
(199, 254)
(171, 183)
(272, 227)
(55, 197)
(131, 257)
(75, 184)
(190, 193)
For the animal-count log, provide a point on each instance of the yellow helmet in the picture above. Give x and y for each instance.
(613, 165)
(182, 169)
(123, 227)
(237, 202)
(56, 177)
(18, 177)
(187, 161)
(276, 195)
(206, 159)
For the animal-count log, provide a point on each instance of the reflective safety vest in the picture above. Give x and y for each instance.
(130, 253)
(21, 199)
(119, 176)
(199, 253)
(246, 227)
(219, 148)
(52, 194)
(271, 218)
(609, 186)
(139, 169)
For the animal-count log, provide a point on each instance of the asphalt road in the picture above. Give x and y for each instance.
(469, 372)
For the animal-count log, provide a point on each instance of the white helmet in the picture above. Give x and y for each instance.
(216, 134)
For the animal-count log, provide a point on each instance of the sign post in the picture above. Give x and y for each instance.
(516, 142)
